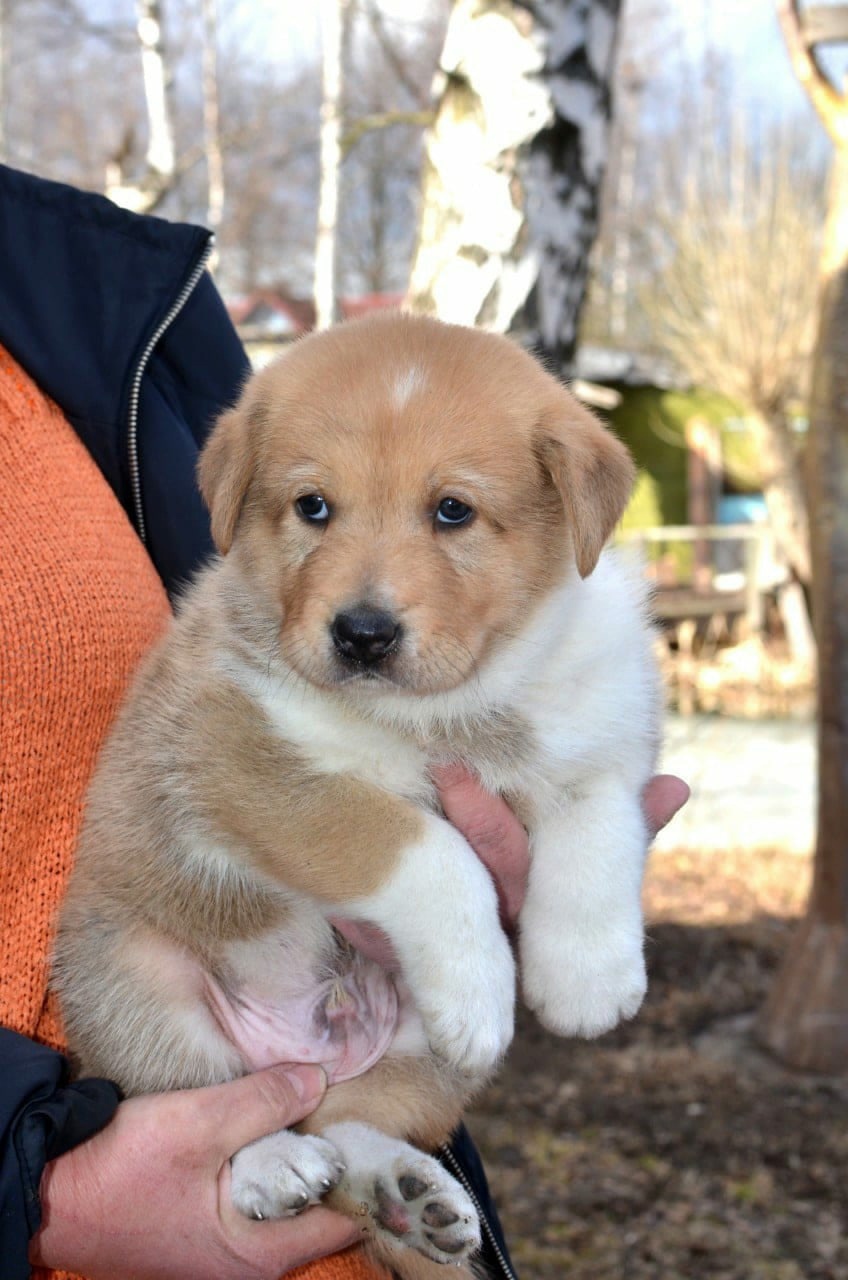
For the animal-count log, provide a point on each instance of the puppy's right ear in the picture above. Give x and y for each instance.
(225, 467)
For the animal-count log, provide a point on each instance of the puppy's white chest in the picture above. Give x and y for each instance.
(334, 741)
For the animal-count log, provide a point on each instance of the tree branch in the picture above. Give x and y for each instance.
(357, 129)
(831, 106)
(389, 50)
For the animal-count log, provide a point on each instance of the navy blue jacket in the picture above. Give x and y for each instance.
(115, 318)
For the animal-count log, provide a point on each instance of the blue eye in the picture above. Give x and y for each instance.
(452, 511)
(313, 507)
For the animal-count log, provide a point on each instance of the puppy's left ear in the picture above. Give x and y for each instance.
(592, 470)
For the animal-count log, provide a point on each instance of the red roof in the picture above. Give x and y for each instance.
(300, 312)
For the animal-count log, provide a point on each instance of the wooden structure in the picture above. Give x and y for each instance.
(704, 596)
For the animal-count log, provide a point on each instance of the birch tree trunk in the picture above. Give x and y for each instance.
(211, 118)
(805, 1020)
(513, 166)
(4, 44)
(335, 19)
(148, 192)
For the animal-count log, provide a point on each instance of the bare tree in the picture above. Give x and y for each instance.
(146, 193)
(513, 166)
(4, 57)
(387, 106)
(734, 289)
(805, 1020)
(212, 118)
(335, 31)
(266, 154)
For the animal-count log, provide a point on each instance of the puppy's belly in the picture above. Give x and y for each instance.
(346, 1023)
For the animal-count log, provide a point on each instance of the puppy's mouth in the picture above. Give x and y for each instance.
(362, 645)
(371, 649)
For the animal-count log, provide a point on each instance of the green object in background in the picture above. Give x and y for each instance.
(652, 423)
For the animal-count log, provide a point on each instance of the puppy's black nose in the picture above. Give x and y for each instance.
(365, 635)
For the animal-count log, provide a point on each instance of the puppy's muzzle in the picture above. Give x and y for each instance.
(365, 636)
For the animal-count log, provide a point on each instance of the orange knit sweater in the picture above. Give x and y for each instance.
(79, 605)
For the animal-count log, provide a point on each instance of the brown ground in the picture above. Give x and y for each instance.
(672, 1148)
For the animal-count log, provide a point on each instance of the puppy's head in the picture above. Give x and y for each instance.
(400, 494)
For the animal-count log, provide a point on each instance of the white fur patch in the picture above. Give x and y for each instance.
(406, 384)
(283, 1174)
(440, 910)
(334, 740)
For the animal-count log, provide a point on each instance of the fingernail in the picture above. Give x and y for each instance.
(308, 1081)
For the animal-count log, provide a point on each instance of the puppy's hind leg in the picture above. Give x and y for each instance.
(402, 1196)
(415, 1217)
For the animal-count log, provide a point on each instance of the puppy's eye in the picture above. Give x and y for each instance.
(452, 511)
(313, 507)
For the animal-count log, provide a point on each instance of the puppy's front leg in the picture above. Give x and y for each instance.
(364, 853)
(439, 907)
(581, 935)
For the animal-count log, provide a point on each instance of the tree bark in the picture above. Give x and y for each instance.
(212, 118)
(4, 48)
(513, 167)
(160, 174)
(783, 489)
(805, 1021)
(335, 17)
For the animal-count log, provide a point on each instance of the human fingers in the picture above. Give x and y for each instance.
(492, 830)
(280, 1246)
(664, 795)
(240, 1111)
(261, 1104)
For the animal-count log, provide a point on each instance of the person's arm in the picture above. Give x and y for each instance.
(149, 1195)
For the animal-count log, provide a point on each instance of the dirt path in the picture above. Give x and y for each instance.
(646, 1156)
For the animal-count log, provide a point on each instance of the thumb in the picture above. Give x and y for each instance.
(243, 1110)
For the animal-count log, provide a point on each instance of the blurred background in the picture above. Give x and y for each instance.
(652, 196)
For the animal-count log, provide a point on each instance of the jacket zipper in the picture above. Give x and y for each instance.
(456, 1169)
(135, 387)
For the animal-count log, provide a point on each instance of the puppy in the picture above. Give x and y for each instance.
(411, 520)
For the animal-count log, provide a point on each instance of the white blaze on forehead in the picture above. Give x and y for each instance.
(406, 384)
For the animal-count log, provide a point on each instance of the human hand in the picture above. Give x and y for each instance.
(500, 842)
(149, 1196)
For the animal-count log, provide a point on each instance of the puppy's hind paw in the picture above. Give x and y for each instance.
(283, 1174)
(408, 1196)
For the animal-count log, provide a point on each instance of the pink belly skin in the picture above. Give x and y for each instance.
(345, 1023)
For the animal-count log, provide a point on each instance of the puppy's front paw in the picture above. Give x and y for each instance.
(470, 1020)
(281, 1175)
(578, 986)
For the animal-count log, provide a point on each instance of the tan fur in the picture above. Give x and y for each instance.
(501, 433)
(414, 1098)
(193, 753)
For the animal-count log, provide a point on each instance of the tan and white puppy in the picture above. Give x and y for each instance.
(411, 520)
